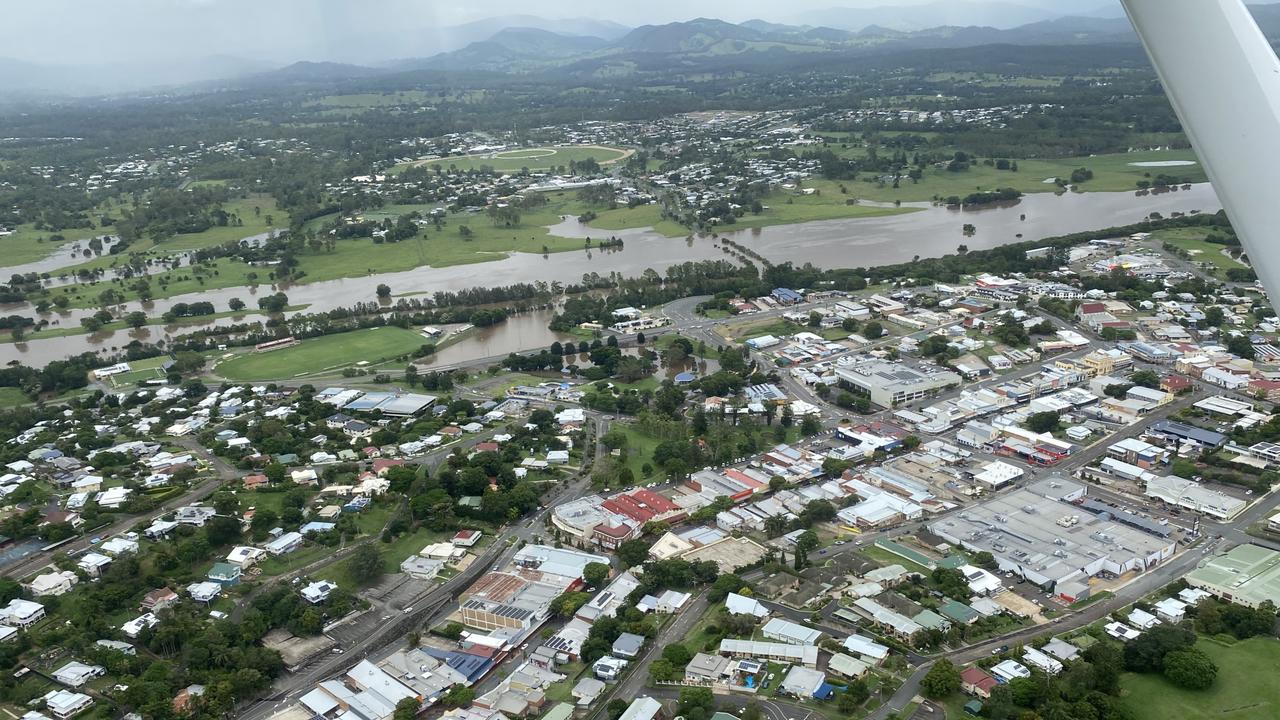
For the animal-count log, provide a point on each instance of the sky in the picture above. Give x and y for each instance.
(76, 32)
(123, 32)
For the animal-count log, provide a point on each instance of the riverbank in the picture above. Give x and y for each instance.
(866, 242)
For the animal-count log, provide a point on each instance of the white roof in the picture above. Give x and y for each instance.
(739, 605)
(789, 632)
(866, 646)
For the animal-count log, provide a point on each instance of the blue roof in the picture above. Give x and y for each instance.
(470, 666)
(824, 691)
(1177, 429)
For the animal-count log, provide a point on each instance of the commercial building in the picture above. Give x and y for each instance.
(1193, 496)
(1038, 533)
(889, 383)
(1246, 575)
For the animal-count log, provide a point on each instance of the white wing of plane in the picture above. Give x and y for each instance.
(1224, 82)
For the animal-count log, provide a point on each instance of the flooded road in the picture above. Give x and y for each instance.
(929, 232)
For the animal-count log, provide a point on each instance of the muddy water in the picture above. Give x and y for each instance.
(928, 232)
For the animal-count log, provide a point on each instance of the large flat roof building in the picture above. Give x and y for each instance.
(1246, 575)
(1039, 534)
(1195, 497)
(889, 383)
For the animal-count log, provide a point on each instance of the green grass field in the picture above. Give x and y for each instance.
(322, 353)
(1192, 240)
(640, 448)
(12, 397)
(357, 257)
(785, 207)
(140, 370)
(638, 217)
(539, 158)
(1243, 690)
(1111, 173)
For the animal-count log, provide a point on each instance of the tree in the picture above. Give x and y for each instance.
(633, 552)
(676, 654)
(942, 679)
(407, 709)
(236, 304)
(872, 330)
(616, 707)
(365, 565)
(807, 542)
(1146, 653)
(457, 696)
(1043, 422)
(985, 560)
(810, 426)
(1190, 668)
(136, 319)
(595, 574)
(1145, 378)
(384, 291)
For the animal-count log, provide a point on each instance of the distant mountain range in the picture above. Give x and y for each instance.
(524, 44)
(514, 51)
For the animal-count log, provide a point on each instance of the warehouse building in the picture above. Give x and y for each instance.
(1247, 575)
(1038, 533)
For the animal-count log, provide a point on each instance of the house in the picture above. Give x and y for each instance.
(74, 674)
(225, 574)
(466, 538)
(1061, 649)
(628, 645)
(53, 583)
(23, 613)
(118, 646)
(1040, 660)
(736, 604)
(134, 627)
(93, 564)
(159, 599)
(284, 544)
(245, 556)
(196, 515)
(642, 708)
(866, 648)
(118, 546)
(317, 592)
(976, 681)
(1009, 670)
(848, 666)
(803, 682)
(1171, 610)
(706, 669)
(64, 704)
(204, 592)
(1142, 619)
(791, 633)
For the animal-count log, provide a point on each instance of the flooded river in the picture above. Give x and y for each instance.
(927, 232)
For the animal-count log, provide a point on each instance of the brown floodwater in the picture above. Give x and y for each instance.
(927, 232)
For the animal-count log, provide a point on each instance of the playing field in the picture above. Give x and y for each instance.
(539, 158)
(1243, 690)
(322, 353)
(1192, 240)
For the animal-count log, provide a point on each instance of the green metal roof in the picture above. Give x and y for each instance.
(1247, 574)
